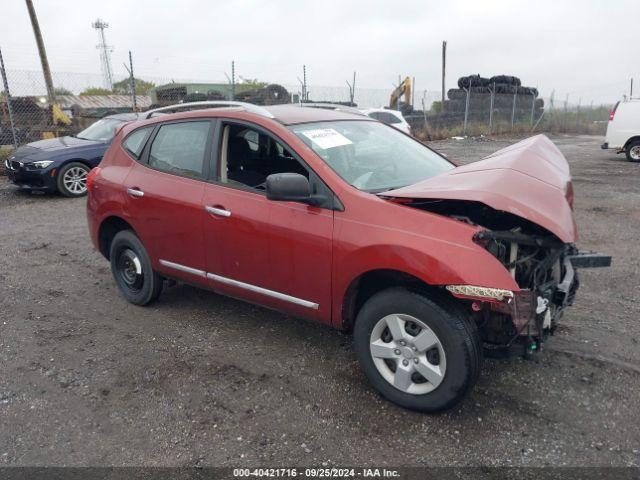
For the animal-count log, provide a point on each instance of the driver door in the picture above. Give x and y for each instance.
(277, 254)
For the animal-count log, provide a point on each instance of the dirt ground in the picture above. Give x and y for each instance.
(199, 379)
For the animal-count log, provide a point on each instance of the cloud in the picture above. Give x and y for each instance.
(576, 47)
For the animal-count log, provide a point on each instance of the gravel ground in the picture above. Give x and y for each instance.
(199, 379)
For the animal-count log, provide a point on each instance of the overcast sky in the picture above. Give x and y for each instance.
(589, 49)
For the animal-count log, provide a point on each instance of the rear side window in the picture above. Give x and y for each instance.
(134, 143)
(179, 148)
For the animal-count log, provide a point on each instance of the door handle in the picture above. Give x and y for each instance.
(135, 192)
(220, 212)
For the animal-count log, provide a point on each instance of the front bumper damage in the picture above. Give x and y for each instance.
(535, 313)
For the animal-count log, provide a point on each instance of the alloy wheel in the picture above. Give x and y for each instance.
(75, 180)
(408, 354)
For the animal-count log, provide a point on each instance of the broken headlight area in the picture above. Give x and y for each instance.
(545, 270)
(543, 267)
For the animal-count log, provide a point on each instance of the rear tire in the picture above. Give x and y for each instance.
(633, 151)
(400, 335)
(131, 269)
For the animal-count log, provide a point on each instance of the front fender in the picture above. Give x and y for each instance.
(435, 263)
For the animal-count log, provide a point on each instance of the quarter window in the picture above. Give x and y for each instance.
(179, 148)
(134, 143)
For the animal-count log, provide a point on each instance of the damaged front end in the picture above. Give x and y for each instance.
(521, 200)
(544, 268)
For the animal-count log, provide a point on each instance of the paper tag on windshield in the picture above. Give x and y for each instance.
(326, 138)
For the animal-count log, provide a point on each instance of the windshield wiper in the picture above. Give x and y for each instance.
(385, 189)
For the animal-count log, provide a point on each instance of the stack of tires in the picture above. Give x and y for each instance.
(505, 87)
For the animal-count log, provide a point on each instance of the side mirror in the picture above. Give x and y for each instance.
(290, 187)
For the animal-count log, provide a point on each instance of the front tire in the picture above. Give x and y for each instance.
(419, 353)
(131, 269)
(72, 179)
(633, 151)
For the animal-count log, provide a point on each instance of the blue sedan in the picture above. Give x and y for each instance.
(61, 164)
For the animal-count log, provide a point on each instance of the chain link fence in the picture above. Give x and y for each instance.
(494, 107)
(501, 105)
(28, 114)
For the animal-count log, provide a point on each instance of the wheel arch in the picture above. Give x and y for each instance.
(108, 229)
(631, 140)
(368, 283)
(64, 163)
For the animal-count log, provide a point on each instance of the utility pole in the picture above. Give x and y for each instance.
(413, 91)
(444, 67)
(105, 51)
(233, 79)
(352, 90)
(43, 54)
(7, 96)
(304, 83)
(133, 83)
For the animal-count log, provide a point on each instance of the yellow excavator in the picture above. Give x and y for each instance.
(58, 119)
(404, 89)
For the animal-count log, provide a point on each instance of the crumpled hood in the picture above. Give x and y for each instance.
(530, 179)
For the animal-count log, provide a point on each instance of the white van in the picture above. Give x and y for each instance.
(623, 130)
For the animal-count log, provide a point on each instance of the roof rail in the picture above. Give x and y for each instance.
(249, 107)
(332, 106)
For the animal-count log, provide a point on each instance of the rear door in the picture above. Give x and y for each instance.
(164, 197)
(277, 254)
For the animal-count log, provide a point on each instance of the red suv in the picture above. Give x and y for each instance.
(335, 217)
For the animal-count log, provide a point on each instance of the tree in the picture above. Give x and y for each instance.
(436, 107)
(252, 82)
(123, 87)
(62, 91)
(96, 91)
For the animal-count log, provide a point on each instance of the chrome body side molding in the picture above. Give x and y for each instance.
(183, 268)
(245, 286)
(263, 291)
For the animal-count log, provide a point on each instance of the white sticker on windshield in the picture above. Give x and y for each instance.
(326, 138)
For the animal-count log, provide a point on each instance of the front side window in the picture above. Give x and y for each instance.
(249, 156)
(101, 131)
(371, 156)
(134, 143)
(179, 148)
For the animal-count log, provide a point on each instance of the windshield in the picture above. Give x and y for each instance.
(371, 156)
(101, 131)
